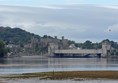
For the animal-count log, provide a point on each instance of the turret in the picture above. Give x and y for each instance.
(106, 48)
(62, 37)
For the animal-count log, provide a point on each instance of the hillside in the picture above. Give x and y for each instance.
(16, 35)
(22, 42)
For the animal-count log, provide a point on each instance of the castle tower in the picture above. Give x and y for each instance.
(51, 48)
(55, 37)
(106, 48)
(62, 38)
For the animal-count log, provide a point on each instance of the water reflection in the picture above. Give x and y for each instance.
(3, 61)
(112, 60)
(38, 64)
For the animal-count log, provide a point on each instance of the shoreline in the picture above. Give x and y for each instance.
(65, 75)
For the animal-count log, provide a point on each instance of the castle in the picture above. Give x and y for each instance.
(58, 50)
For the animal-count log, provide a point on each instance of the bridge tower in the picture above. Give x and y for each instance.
(106, 48)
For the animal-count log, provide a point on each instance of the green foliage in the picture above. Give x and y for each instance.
(3, 49)
(46, 36)
(90, 45)
(16, 35)
(87, 45)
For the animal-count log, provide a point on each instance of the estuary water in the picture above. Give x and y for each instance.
(20, 65)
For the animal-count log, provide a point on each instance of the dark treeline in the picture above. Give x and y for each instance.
(90, 45)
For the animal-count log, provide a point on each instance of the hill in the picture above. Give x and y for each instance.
(16, 35)
(22, 42)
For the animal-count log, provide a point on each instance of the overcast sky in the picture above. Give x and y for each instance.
(78, 20)
(55, 2)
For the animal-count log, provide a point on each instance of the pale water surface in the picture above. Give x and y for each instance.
(20, 65)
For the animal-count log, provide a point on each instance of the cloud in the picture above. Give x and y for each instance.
(74, 1)
(111, 6)
(77, 22)
(50, 7)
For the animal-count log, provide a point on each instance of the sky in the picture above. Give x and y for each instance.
(78, 20)
(55, 2)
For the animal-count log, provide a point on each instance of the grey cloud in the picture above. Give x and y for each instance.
(77, 22)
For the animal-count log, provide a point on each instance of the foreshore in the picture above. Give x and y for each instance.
(63, 77)
(67, 75)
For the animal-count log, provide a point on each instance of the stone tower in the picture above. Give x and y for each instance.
(51, 48)
(106, 48)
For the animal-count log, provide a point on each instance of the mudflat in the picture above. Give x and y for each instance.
(67, 75)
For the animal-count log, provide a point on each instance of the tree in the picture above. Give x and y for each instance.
(3, 49)
(87, 45)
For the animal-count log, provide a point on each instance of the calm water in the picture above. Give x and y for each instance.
(37, 64)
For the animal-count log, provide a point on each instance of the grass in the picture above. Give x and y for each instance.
(68, 75)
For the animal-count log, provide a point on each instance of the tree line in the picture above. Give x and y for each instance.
(97, 45)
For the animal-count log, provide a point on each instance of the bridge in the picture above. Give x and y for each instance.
(103, 52)
(78, 53)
